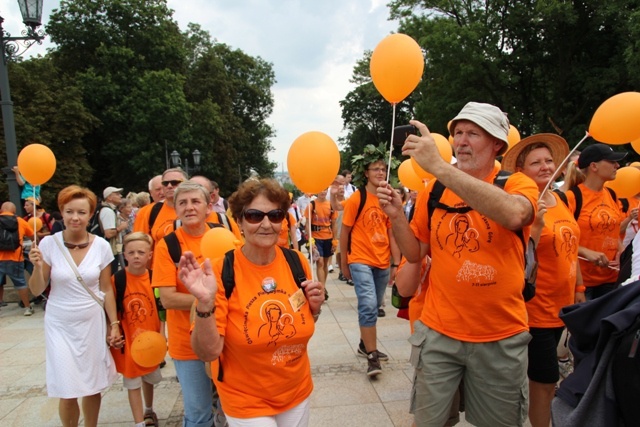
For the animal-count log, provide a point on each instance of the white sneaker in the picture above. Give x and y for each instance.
(28, 311)
(330, 269)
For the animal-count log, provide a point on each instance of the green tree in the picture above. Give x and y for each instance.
(49, 110)
(549, 64)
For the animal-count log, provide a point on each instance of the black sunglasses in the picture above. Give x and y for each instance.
(173, 182)
(254, 216)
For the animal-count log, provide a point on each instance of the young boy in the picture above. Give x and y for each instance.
(137, 313)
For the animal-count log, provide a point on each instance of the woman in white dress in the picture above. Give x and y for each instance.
(78, 361)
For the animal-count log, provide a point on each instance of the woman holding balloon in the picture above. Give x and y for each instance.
(81, 309)
(259, 333)
(599, 217)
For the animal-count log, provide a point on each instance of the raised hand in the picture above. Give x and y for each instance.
(200, 281)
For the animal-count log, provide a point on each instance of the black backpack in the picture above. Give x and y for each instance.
(578, 196)
(530, 256)
(173, 244)
(95, 227)
(9, 236)
(120, 280)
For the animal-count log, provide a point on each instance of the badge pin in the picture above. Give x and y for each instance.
(269, 285)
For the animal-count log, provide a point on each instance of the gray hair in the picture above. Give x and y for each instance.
(188, 186)
(179, 170)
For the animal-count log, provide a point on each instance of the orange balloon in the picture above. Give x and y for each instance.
(513, 137)
(617, 120)
(420, 173)
(636, 145)
(217, 242)
(396, 67)
(627, 182)
(313, 162)
(148, 349)
(635, 164)
(36, 163)
(443, 147)
(408, 176)
(38, 222)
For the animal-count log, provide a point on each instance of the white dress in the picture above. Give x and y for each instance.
(77, 358)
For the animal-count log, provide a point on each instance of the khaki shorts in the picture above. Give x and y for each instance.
(495, 378)
(134, 383)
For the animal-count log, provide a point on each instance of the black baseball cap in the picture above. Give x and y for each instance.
(596, 152)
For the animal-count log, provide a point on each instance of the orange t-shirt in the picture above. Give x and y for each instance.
(140, 315)
(321, 217)
(163, 224)
(289, 223)
(477, 268)
(557, 267)
(370, 235)
(264, 360)
(165, 274)
(213, 219)
(24, 229)
(599, 224)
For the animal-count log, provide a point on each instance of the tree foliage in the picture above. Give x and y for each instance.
(139, 88)
(548, 63)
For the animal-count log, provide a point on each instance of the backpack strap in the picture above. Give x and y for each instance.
(173, 245)
(120, 280)
(291, 256)
(363, 201)
(578, 196)
(562, 197)
(223, 221)
(153, 215)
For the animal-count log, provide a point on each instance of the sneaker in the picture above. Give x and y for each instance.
(28, 311)
(330, 269)
(350, 282)
(326, 294)
(362, 352)
(3, 304)
(565, 367)
(374, 367)
(150, 419)
(342, 278)
(381, 312)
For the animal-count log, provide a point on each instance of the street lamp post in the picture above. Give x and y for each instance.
(177, 161)
(11, 47)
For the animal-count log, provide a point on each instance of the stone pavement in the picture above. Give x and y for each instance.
(343, 395)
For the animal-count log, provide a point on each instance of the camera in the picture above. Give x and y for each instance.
(400, 134)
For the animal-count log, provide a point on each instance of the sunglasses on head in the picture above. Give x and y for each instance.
(254, 216)
(173, 182)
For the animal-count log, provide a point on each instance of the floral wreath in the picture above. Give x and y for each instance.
(372, 154)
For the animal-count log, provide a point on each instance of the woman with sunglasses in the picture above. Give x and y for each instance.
(559, 282)
(259, 334)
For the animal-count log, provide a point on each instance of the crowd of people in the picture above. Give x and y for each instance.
(238, 326)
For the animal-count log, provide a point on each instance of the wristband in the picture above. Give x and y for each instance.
(206, 313)
(394, 265)
(115, 322)
(580, 288)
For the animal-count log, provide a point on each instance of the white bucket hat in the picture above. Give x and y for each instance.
(488, 117)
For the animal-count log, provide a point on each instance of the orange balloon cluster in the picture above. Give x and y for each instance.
(36, 163)
(408, 176)
(148, 349)
(313, 162)
(627, 182)
(217, 242)
(396, 67)
(617, 120)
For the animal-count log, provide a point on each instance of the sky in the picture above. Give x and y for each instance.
(313, 46)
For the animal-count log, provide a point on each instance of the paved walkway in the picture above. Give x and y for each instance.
(343, 394)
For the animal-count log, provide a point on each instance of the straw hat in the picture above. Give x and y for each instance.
(556, 144)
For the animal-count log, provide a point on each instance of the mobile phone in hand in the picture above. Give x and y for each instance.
(400, 134)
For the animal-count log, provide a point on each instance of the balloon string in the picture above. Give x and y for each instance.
(562, 165)
(312, 245)
(393, 129)
(35, 211)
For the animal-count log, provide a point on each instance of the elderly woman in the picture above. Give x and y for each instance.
(599, 215)
(259, 333)
(78, 361)
(559, 282)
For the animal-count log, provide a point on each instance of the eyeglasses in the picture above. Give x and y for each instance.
(254, 216)
(377, 169)
(173, 182)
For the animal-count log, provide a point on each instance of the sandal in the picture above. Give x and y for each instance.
(150, 419)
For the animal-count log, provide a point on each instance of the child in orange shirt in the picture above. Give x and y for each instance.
(137, 313)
